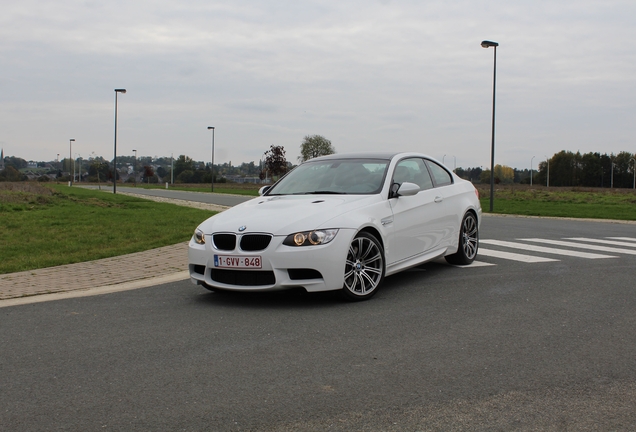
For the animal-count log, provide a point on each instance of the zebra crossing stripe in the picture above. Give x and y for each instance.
(582, 246)
(546, 250)
(631, 239)
(607, 242)
(513, 256)
(477, 263)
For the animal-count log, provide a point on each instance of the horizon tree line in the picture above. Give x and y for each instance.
(565, 168)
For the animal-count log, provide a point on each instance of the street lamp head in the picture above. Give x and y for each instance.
(120, 90)
(72, 139)
(488, 44)
(210, 127)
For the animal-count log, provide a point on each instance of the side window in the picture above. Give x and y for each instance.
(413, 171)
(441, 177)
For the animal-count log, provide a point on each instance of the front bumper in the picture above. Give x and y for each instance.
(314, 268)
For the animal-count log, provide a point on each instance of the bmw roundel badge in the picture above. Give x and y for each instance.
(242, 228)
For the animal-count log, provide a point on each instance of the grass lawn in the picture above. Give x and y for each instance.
(45, 226)
(618, 204)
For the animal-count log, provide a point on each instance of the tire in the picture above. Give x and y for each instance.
(364, 267)
(468, 242)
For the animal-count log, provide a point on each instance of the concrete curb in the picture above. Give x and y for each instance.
(144, 283)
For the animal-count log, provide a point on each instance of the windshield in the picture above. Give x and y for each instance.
(345, 176)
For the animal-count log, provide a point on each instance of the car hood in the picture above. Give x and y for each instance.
(282, 215)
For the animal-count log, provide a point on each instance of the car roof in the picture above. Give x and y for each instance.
(365, 155)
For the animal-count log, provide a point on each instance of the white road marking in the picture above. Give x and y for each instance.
(476, 263)
(582, 246)
(546, 250)
(631, 239)
(608, 242)
(513, 256)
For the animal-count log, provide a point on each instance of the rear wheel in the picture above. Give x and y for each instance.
(468, 241)
(364, 267)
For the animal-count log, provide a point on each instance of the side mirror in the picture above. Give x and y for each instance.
(408, 189)
(263, 190)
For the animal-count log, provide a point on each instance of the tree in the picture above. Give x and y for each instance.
(484, 176)
(10, 174)
(504, 174)
(98, 171)
(565, 168)
(314, 146)
(622, 170)
(275, 162)
(183, 163)
(185, 176)
(162, 172)
(15, 162)
(592, 170)
(148, 172)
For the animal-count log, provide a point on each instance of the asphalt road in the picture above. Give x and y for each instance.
(208, 198)
(499, 345)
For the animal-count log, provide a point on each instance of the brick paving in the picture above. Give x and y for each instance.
(106, 272)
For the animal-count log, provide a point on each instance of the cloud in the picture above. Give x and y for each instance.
(367, 75)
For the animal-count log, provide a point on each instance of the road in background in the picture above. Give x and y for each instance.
(203, 197)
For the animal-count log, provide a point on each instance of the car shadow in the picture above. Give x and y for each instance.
(292, 298)
(393, 285)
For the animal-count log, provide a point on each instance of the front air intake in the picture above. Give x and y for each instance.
(225, 242)
(255, 242)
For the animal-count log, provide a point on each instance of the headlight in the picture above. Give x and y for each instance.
(199, 237)
(310, 238)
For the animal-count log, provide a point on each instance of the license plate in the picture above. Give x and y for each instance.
(239, 262)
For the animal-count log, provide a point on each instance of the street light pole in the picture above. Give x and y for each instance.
(488, 44)
(531, 170)
(135, 168)
(115, 151)
(70, 158)
(634, 171)
(548, 181)
(212, 167)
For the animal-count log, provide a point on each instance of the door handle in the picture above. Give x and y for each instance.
(439, 199)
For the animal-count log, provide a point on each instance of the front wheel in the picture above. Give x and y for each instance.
(364, 267)
(468, 241)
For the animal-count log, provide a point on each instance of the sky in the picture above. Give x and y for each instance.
(368, 75)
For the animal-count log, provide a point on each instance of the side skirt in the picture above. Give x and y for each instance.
(417, 260)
